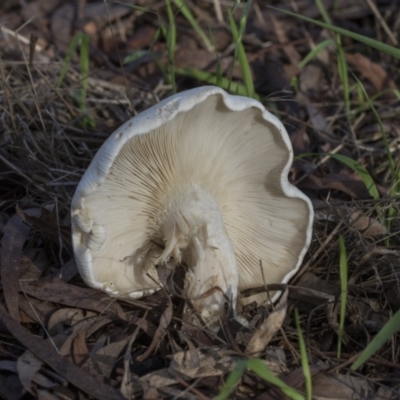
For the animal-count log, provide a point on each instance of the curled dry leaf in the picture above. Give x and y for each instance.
(371, 71)
(194, 364)
(267, 330)
(367, 226)
(159, 378)
(80, 351)
(102, 361)
(66, 316)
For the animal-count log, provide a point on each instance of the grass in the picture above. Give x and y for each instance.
(385, 48)
(385, 334)
(260, 369)
(184, 9)
(303, 356)
(80, 40)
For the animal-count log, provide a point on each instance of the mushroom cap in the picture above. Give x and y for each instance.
(228, 146)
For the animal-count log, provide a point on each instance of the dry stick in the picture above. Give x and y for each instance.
(19, 37)
(316, 254)
(218, 11)
(35, 98)
(191, 388)
(7, 93)
(57, 92)
(21, 104)
(385, 26)
(22, 174)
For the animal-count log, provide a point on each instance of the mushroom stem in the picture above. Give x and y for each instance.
(194, 232)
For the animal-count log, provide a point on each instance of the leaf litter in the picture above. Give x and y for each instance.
(60, 339)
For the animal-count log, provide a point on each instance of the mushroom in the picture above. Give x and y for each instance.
(200, 178)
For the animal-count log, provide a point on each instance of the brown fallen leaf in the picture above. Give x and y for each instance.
(345, 182)
(267, 330)
(296, 377)
(35, 309)
(15, 234)
(371, 71)
(73, 374)
(329, 386)
(159, 378)
(102, 361)
(369, 227)
(73, 296)
(80, 352)
(80, 327)
(66, 316)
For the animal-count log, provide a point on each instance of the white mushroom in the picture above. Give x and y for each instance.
(200, 178)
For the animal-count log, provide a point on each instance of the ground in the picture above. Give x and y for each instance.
(73, 72)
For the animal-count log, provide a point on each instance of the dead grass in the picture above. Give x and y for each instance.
(60, 338)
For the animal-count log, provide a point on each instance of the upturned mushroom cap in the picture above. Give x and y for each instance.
(201, 177)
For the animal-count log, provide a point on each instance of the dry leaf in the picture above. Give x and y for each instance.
(102, 361)
(66, 316)
(194, 364)
(267, 330)
(27, 366)
(80, 352)
(330, 386)
(369, 227)
(73, 296)
(370, 70)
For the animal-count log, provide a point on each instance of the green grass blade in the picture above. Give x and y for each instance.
(389, 329)
(322, 10)
(355, 166)
(392, 166)
(313, 53)
(303, 354)
(70, 51)
(241, 56)
(393, 51)
(84, 65)
(183, 8)
(361, 171)
(212, 79)
(232, 380)
(137, 8)
(341, 59)
(343, 292)
(171, 45)
(136, 55)
(259, 368)
(343, 73)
